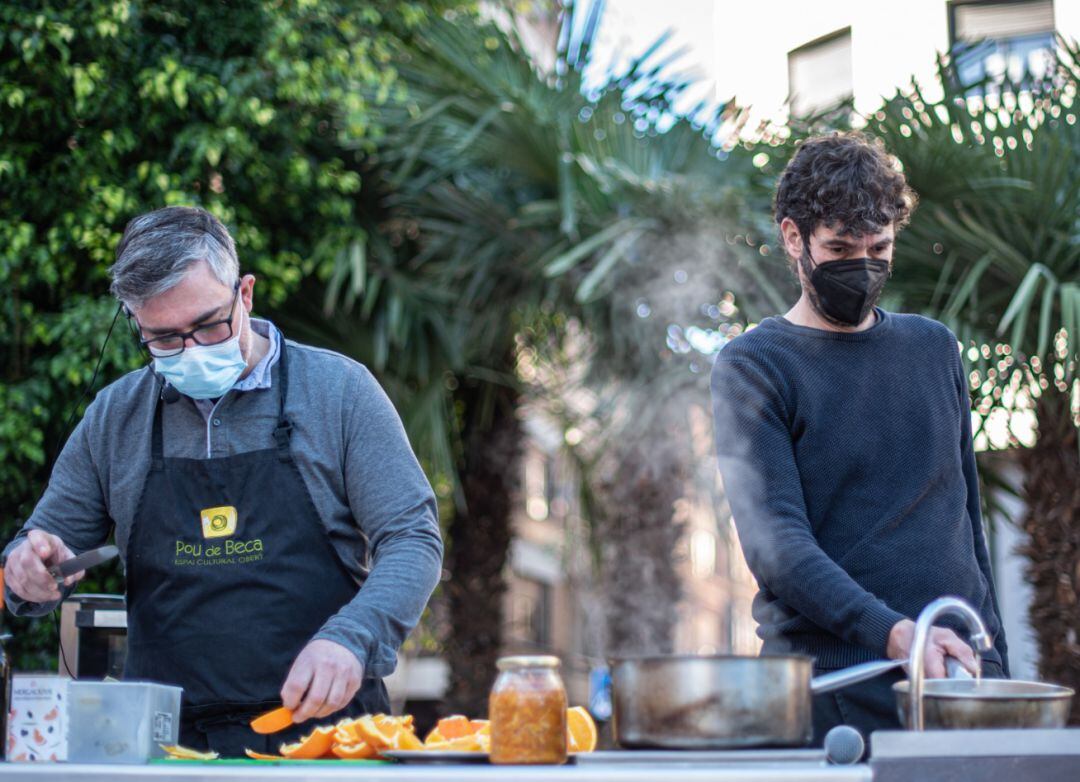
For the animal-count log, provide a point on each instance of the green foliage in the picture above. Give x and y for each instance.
(510, 193)
(994, 249)
(109, 108)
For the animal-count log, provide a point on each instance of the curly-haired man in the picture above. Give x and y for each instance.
(844, 440)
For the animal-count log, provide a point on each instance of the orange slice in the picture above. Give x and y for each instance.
(383, 732)
(580, 730)
(262, 756)
(454, 727)
(272, 721)
(371, 733)
(434, 738)
(405, 722)
(346, 733)
(177, 752)
(361, 751)
(475, 743)
(314, 745)
(406, 739)
(465, 744)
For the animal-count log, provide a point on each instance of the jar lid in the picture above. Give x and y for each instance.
(527, 661)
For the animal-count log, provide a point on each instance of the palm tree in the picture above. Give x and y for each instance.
(994, 252)
(508, 195)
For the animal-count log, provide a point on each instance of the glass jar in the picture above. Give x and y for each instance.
(527, 708)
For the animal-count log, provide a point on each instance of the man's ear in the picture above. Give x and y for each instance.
(793, 243)
(247, 290)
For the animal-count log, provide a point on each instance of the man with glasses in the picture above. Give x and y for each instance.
(279, 537)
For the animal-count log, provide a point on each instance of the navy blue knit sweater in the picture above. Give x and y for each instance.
(848, 463)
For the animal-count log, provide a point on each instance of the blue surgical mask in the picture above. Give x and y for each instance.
(203, 371)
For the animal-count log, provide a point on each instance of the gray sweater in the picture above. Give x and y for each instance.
(373, 499)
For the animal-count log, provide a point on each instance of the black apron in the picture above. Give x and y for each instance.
(230, 573)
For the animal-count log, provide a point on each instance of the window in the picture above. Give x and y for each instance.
(531, 617)
(537, 484)
(820, 73)
(743, 630)
(1001, 39)
(702, 553)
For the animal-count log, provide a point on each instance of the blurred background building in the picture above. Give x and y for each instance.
(551, 589)
(815, 54)
(782, 57)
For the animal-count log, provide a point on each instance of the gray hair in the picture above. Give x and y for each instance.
(159, 247)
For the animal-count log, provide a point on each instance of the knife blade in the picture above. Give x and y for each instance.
(85, 560)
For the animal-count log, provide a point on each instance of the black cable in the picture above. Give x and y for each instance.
(86, 390)
(56, 454)
(60, 640)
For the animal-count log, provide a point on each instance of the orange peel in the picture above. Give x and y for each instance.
(177, 752)
(360, 751)
(262, 755)
(273, 721)
(315, 745)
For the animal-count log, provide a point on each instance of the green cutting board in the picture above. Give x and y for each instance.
(253, 762)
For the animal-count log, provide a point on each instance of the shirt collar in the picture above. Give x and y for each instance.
(259, 377)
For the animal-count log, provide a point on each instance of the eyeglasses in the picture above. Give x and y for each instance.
(173, 344)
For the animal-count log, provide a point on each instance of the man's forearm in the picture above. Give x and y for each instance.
(374, 624)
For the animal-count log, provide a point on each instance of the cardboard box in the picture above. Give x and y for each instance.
(38, 718)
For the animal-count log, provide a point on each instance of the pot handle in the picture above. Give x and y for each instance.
(853, 675)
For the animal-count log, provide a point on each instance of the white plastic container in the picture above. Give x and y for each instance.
(121, 722)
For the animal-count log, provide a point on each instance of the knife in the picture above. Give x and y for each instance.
(89, 559)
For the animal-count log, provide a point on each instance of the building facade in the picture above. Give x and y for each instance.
(817, 53)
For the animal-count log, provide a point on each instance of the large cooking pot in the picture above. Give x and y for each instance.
(722, 701)
(989, 703)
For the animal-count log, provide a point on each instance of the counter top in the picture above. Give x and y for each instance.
(623, 772)
(900, 756)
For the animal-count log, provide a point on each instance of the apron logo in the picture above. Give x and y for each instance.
(218, 522)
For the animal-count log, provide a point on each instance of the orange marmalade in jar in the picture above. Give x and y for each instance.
(527, 708)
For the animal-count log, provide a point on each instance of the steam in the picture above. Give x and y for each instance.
(634, 406)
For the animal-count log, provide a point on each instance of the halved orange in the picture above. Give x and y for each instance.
(580, 730)
(314, 745)
(272, 721)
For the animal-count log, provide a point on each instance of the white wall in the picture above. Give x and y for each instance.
(891, 42)
(1066, 18)
(1014, 593)
(629, 27)
(740, 48)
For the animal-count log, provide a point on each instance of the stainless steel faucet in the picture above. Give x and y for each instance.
(917, 665)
